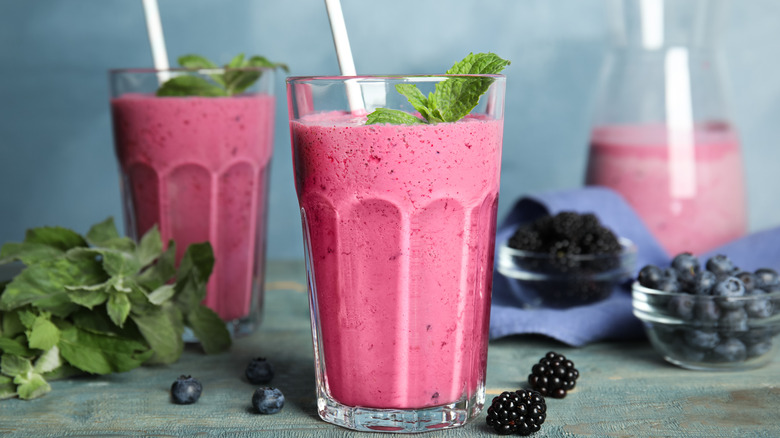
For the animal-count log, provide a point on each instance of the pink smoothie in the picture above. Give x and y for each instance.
(691, 195)
(198, 167)
(399, 225)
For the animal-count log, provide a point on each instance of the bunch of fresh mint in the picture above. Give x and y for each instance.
(99, 304)
(238, 75)
(452, 98)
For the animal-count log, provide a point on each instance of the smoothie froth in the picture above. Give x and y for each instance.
(198, 167)
(399, 227)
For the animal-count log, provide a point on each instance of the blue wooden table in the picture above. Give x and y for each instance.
(625, 389)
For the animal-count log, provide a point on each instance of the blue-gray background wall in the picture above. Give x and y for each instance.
(56, 154)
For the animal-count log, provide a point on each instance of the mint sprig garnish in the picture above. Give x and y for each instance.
(233, 81)
(99, 304)
(451, 100)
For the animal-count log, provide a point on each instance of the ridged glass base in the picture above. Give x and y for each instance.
(401, 420)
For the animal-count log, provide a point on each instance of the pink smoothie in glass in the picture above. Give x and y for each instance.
(399, 225)
(198, 167)
(691, 194)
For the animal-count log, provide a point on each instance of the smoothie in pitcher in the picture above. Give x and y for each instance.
(691, 195)
(198, 167)
(399, 227)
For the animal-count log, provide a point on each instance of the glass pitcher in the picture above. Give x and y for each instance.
(661, 135)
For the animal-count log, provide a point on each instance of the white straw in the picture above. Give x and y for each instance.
(156, 39)
(344, 54)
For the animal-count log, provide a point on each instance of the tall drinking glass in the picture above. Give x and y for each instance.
(399, 231)
(198, 168)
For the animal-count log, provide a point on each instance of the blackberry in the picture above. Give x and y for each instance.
(521, 412)
(186, 390)
(553, 375)
(563, 239)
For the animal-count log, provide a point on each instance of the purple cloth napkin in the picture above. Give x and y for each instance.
(612, 318)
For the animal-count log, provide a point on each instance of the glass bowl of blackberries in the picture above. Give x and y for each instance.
(710, 316)
(564, 260)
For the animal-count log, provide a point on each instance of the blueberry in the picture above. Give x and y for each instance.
(650, 276)
(259, 371)
(720, 265)
(701, 339)
(748, 279)
(759, 307)
(683, 351)
(682, 306)
(704, 282)
(706, 310)
(686, 265)
(730, 350)
(268, 400)
(186, 390)
(758, 349)
(766, 277)
(734, 320)
(668, 281)
(729, 290)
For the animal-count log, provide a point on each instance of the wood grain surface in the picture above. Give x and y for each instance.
(625, 389)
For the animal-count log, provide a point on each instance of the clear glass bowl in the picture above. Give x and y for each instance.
(543, 280)
(704, 332)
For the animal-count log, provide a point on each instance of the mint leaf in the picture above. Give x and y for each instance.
(44, 284)
(161, 294)
(192, 275)
(162, 328)
(44, 334)
(187, 85)
(17, 345)
(105, 235)
(197, 62)
(163, 270)
(57, 237)
(149, 248)
(49, 361)
(7, 388)
(89, 297)
(100, 354)
(31, 385)
(118, 307)
(27, 252)
(453, 98)
(240, 74)
(391, 116)
(210, 329)
(13, 365)
(417, 99)
(11, 325)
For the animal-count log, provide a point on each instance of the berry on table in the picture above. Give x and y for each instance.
(186, 390)
(268, 400)
(259, 371)
(553, 375)
(521, 412)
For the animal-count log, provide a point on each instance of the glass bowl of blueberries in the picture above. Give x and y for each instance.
(710, 317)
(565, 260)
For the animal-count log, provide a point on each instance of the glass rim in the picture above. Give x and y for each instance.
(383, 77)
(205, 71)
